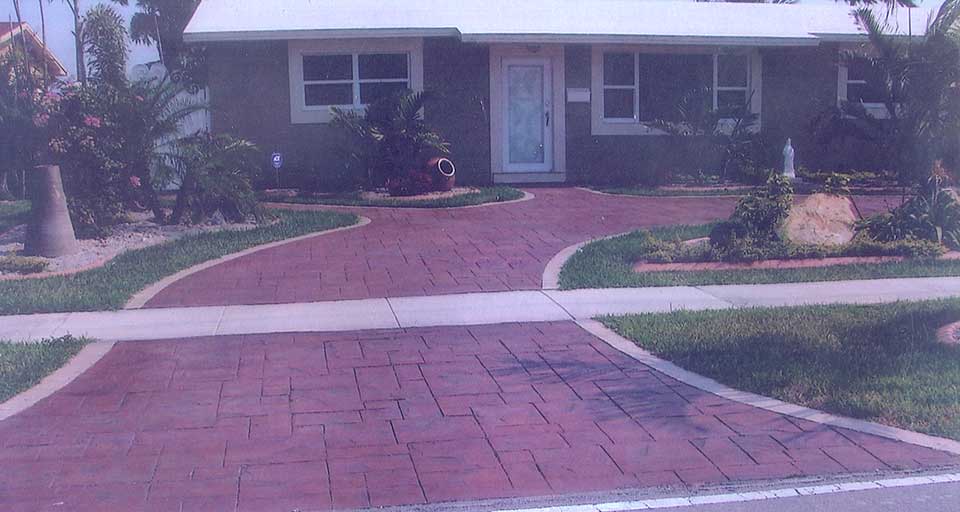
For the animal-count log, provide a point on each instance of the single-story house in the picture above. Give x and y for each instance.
(532, 90)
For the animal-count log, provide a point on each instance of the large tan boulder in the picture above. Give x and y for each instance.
(821, 219)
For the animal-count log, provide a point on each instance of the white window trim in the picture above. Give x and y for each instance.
(625, 126)
(717, 88)
(635, 88)
(300, 113)
(877, 110)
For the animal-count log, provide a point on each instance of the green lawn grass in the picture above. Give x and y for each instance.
(23, 365)
(13, 213)
(483, 196)
(880, 363)
(111, 286)
(609, 264)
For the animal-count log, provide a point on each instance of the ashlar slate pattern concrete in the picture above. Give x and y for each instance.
(406, 252)
(347, 420)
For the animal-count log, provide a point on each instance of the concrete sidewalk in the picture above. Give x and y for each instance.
(459, 309)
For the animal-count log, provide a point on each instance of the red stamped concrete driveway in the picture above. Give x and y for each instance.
(315, 421)
(430, 252)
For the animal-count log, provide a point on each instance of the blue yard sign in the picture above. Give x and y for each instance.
(277, 160)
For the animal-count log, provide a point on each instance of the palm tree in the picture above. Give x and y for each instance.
(161, 23)
(156, 111)
(920, 90)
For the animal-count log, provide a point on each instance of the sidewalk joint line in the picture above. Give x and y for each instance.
(223, 312)
(551, 299)
(394, 313)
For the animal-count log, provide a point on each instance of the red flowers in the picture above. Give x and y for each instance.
(92, 121)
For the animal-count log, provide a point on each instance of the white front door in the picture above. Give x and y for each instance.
(527, 126)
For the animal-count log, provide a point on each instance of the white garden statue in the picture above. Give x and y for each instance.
(788, 169)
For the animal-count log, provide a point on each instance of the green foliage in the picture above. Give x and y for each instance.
(879, 362)
(733, 132)
(21, 115)
(755, 223)
(933, 214)
(13, 213)
(105, 43)
(87, 140)
(161, 23)
(23, 365)
(390, 141)
(836, 184)
(920, 96)
(853, 178)
(21, 265)
(110, 141)
(217, 174)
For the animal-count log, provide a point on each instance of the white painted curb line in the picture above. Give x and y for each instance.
(770, 404)
(84, 360)
(749, 496)
(143, 296)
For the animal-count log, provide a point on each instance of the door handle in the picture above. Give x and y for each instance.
(548, 118)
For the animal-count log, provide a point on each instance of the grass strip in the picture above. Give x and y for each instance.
(609, 264)
(880, 362)
(24, 365)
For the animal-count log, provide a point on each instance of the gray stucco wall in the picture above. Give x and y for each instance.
(458, 77)
(250, 98)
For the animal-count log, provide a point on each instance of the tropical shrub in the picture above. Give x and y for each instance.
(390, 140)
(755, 223)
(933, 214)
(732, 131)
(919, 92)
(216, 173)
(86, 142)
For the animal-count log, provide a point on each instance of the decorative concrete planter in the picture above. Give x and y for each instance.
(50, 233)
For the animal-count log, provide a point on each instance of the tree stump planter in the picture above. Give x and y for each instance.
(50, 233)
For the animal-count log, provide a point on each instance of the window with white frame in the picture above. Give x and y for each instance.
(731, 84)
(621, 87)
(638, 88)
(861, 82)
(355, 79)
(349, 73)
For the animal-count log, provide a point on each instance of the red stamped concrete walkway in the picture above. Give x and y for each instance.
(408, 252)
(315, 422)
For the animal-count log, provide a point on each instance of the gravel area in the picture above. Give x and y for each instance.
(138, 233)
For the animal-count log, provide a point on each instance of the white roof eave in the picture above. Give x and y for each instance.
(286, 35)
(641, 39)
